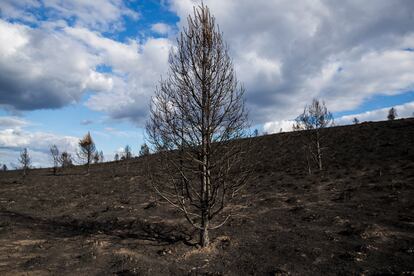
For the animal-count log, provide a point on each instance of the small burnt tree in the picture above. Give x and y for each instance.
(116, 157)
(355, 121)
(87, 150)
(196, 115)
(392, 114)
(101, 156)
(144, 151)
(127, 156)
(55, 156)
(25, 161)
(65, 160)
(314, 118)
(96, 158)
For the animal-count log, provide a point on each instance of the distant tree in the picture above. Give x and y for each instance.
(127, 154)
(355, 121)
(65, 159)
(101, 156)
(144, 151)
(87, 150)
(54, 154)
(116, 157)
(196, 114)
(314, 118)
(392, 114)
(25, 161)
(96, 158)
(4, 167)
(256, 132)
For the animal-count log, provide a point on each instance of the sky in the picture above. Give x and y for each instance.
(69, 67)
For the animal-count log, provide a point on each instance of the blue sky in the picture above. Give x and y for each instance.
(69, 67)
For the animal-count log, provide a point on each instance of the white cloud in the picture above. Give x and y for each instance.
(12, 122)
(287, 53)
(14, 137)
(284, 52)
(54, 65)
(42, 68)
(136, 67)
(103, 15)
(161, 28)
(403, 111)
(278, 126)
(11, 9)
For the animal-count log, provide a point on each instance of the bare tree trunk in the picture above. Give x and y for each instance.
(89, 161)
(307, 153)
(204, 237)
(318, 148)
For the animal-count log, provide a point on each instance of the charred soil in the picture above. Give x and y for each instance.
(355, 217)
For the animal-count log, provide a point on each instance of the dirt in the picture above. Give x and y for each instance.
(355, 217)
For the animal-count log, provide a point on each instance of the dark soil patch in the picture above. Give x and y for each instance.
(356, 217)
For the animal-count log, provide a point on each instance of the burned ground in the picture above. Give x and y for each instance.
(356, 217)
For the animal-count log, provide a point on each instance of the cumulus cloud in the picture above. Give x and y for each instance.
(284, 52)
(403, 111)
(41, 69)
(14, 137)
(54, 65)
(39, 141)
(103, 15)
(161, 28)
(278, 126)
(136, 70)
(12, 122)
(288, 53)
(11, 9)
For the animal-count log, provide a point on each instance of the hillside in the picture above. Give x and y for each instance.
(356, 217)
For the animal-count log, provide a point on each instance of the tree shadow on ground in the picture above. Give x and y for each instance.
(66, 226)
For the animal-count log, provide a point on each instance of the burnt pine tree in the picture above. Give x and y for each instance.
(101, 156)
(196, 115)
(314, 118)
(25, 161)
(87, 150)
(144, 151)
(127, 155)
(96, 157)
(355, 121)
(116, 157)
(65, 160)
(55, 156)
(392, 114)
